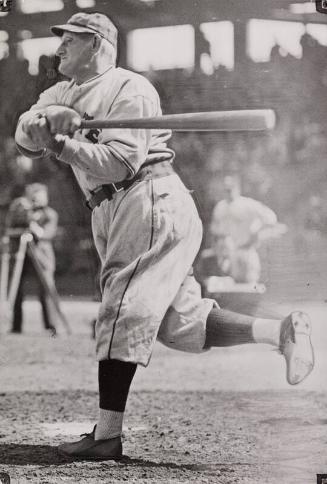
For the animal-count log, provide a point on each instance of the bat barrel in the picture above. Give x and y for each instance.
(240, 120)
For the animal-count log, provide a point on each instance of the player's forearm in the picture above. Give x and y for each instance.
(37, 109)
(105, 162)
(50, 228)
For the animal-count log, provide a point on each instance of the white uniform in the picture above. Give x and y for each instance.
(234, 223)
(147, 236)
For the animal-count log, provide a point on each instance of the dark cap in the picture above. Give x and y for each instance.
(92, 23)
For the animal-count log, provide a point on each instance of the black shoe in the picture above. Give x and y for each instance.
(51, 330)
(90, 449)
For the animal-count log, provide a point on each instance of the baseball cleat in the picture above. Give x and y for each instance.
(295, 345)
(90, 449)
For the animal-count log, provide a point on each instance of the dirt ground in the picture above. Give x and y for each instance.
(226, 416)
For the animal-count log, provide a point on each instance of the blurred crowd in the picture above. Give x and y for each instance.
(284, 168)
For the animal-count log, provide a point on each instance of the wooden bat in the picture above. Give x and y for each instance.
(240, 120)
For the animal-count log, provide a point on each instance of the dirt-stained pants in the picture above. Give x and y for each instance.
(147, 238)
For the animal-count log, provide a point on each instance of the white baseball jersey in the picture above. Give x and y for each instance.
(96, 155)
(240, 219)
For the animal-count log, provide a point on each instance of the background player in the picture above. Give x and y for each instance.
(238, 226)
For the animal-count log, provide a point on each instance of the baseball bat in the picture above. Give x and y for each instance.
(239, 120)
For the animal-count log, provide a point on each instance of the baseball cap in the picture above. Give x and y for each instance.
(35, 187)
(93, 23)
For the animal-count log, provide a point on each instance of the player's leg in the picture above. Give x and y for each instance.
(48, 308)
(17, 325)
(18, 309)
(152, 292)
(147, 242)
(104, 442)
(193, 324)
(47, 311)
(141, 273)
(290, 335)
(147, 258)
(114, 376)
(246, 265)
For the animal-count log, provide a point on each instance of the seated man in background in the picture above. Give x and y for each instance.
(32, 213)
(238, 226)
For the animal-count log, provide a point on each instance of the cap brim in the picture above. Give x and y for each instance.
(60, 29)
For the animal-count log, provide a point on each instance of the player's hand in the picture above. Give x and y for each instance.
(252, 241)
(36, 229)
(62, 120)
(38, 129)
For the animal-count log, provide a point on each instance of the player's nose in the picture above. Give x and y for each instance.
(60, 51)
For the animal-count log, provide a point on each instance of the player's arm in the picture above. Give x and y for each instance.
(119, 152)
(30, 124)
(47, 229)
(217, 225)
(266, 215)
(264, 219)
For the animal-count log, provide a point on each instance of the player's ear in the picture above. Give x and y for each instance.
(96, 42)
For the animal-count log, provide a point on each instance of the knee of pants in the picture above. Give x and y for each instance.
(184, 333)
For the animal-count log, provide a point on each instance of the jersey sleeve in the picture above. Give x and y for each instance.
(119, 152)
(265, 214)
(49, 97)
(50, 224)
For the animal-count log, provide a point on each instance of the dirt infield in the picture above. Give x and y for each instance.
(223, 417)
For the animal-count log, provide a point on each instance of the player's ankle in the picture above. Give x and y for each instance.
(266, 331)
(109, 425)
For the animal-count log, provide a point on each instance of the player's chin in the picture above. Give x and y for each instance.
(63, 67)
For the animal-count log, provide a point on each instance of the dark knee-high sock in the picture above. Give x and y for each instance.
(226, 328)
(115, 378)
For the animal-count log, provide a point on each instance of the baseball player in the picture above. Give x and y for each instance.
(237, 226)
(145, 225)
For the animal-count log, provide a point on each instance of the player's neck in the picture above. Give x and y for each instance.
(91, 72)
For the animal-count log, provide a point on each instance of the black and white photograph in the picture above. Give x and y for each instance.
(163, 241)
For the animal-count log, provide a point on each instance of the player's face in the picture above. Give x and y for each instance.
(231, 189)
(39, 198)
(75, 52)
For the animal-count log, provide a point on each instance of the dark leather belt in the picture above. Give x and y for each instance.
(147, 171)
